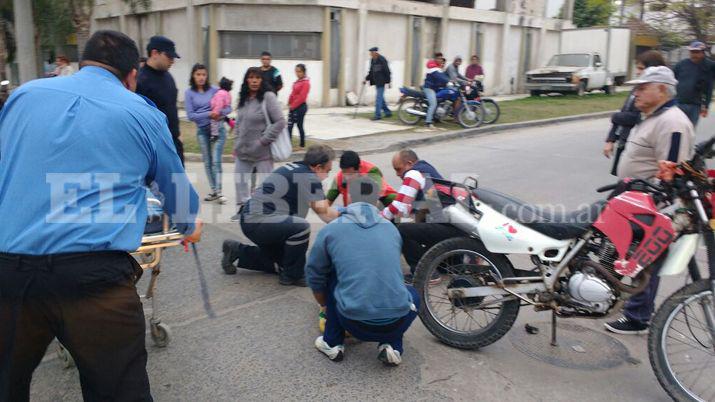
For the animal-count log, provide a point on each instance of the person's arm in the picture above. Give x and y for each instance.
(412, 183)
(368, 77)
(674, 145)
(325, 212)
(319, 267)
(278, 81)
(278, 121)
(333, 193)
(181, 201)
(708, 92)
(227, 109)
(190, 107)
(388, 73)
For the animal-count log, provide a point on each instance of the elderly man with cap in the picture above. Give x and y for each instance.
(156, 83)
(695, 82)
(664, 133)
(379, 76)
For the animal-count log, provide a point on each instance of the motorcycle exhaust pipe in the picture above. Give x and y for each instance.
(643, 283)
(415, 112)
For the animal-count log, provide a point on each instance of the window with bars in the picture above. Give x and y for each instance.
(281, 45)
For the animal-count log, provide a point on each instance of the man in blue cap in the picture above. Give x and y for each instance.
(695, 82)
(156, 83)
(379, 76)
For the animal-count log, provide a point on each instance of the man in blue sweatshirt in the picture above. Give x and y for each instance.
(354, 272)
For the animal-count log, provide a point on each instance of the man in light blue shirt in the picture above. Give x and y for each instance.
(75, 156)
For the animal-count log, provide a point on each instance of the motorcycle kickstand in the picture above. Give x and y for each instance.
(554, 342)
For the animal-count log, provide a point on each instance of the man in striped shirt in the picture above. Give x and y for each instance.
(417, 237)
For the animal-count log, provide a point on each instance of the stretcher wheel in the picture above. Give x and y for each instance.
(161, 335)
(65, 357)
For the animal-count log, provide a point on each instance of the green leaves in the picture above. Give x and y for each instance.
(588, 13)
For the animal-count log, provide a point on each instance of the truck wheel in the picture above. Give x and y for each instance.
(535, 93)
(609, 89)
(582, 88)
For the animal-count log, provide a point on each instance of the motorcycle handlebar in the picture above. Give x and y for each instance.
(705, 148)
(609, 187)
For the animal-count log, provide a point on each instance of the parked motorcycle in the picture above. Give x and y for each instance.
(490, 106)
(413, 106)
(586, 263)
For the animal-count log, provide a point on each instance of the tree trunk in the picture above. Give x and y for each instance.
(3, 50)
(82, 21)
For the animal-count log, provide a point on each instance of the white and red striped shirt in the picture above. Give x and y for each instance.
(412, 183)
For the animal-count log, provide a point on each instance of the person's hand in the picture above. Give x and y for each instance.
(214, 115)
(608, 149)
(704, 112)
(195, 237)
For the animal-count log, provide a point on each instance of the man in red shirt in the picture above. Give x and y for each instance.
(352, 166)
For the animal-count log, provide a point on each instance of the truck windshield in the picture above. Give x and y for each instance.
(570, 60)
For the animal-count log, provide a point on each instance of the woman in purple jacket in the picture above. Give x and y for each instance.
(197, 101)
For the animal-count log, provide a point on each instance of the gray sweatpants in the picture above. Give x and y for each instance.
(253, 171)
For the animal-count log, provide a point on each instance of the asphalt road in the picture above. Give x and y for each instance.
(259, 346)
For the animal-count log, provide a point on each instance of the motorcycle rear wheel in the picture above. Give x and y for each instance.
(464, 262)
(404, 116)
(685, 374)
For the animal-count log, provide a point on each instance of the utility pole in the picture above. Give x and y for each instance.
(642, 9)
(25, 37)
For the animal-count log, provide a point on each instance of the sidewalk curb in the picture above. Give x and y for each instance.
(483, 131)
(446, 136)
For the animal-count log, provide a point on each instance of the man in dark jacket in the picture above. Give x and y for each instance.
(379, 76)
(695, 83)
(271, 75)
(156, 83)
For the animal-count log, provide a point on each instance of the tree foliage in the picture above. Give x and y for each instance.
(694, 19)
(588, 13)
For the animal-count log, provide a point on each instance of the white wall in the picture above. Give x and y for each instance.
(235, 69)
(389, 33)
(490, 56)
(459, 39)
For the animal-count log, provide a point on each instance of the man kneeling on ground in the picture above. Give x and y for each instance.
(354, 272)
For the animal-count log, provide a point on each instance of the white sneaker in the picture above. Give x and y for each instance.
(222, 199)
(335, 353)
(388, 356)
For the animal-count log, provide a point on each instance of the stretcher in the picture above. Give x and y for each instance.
(158, 236)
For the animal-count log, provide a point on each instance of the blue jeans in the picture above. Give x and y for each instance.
(692, 111)
(640, 307)
(336, 324)
(380, 104)
(431, 96)
(211, 152)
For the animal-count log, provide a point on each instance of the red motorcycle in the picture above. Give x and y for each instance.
(586, 263)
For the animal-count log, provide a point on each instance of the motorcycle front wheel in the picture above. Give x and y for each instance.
(680, 345)
(491, 111)
(471, 115)
(405, 116)
(464, 322)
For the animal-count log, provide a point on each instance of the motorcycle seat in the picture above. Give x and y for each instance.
(553, 222)
(415, 93)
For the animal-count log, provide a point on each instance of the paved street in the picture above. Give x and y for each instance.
(260, 344)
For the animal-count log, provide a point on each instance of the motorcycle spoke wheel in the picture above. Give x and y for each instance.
(406, 117)
(491, 111)
(466, 322)
(471, 116)
(681, 347)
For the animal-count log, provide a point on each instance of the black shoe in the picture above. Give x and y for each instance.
(626, 326)
(409, 278)
(229, 248)
(212, 197)
(375, 118)
(288, 281)
(388, 115)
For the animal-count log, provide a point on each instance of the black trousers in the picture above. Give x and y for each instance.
(279, 239)
(297, 116)
(89, 303)
(179, 149)
(417, 238)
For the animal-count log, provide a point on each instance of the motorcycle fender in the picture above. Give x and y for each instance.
(679, 254)
(503, 235)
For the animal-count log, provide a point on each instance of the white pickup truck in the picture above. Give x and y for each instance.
(587, 59)
(577, 73)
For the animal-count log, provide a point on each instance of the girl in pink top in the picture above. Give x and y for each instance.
(220, 100)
